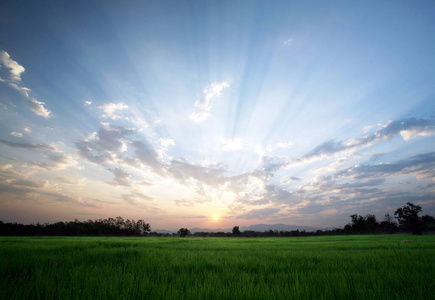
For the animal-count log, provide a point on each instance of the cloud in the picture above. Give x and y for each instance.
(269, 165)
(259, 213)
(288, 179)
(147, 155)
(30, 146)
(422, 165)
(270, 194)
(113, 111)
(183, 171)
(38, 108)
(288, 42)
(203, 106)
(164, 145)
(15, 69)
(106, 145)
(118, 148)
(364, 188)
(121, 177)
(66, 180)
(137, 198)
(57, 162)
(407, 128)
(16, 134)
(12, 184)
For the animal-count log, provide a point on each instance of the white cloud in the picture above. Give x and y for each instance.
(288, 42)
(113, 110)
(214, 90)
(409, 134)
(203, 106)
(87, 103)
(16, 134)
(38, 108)
(164, 144)
(15, 68)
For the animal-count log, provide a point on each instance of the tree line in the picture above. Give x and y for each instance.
(407, 217)
(102, 227)
(408, 221)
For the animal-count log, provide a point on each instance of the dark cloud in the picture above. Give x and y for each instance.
(407, 128)
(270, 165)
(30, 146)
(107, 144)
(146, 154)
(422, 164)
(121, 177)
(280, 196)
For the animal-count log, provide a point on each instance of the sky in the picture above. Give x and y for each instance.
(174, 112)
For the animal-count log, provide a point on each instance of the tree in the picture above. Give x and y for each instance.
(371, 224)
(408, 218)
(183, 232)
(362, 224)
(428, 222)
(388, 225)
(236, 230)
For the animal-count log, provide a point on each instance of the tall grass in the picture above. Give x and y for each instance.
(357, 267)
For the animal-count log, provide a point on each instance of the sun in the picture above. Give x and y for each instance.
(215, 218)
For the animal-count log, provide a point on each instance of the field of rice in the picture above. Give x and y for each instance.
(328, 267)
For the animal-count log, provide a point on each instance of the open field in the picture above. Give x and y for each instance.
(329, 267)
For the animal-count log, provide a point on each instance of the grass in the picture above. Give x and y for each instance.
(335, 267)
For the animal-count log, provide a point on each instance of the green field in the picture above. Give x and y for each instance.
(328, 267)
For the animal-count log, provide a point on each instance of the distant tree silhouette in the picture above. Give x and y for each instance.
(408, 218)
(183, 232)
(428, 222)
(360, 224)
(105, 227)
(236, 230)
(388, 225)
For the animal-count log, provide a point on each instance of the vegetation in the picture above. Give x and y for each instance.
(408, 218)
(236, 230)
(183, 232)
(107, 227)
(333, 267)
